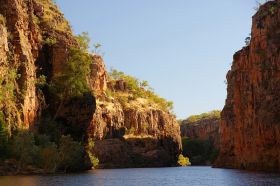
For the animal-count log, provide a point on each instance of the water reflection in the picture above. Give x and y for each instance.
(157, 176)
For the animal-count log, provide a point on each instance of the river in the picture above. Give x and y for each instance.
(175, 176)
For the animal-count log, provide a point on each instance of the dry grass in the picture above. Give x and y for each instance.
(140, 136)
(2, 20)
(53, 17)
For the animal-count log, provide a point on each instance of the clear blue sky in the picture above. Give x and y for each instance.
(184, 48)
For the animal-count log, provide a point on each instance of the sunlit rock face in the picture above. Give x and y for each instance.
(34, 41)
(250, 126)
(25, 27)
(133, 135)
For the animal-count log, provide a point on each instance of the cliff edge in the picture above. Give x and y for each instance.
(250, 124)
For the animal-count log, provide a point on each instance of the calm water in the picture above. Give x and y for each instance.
(155, 176)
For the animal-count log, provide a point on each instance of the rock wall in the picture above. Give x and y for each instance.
(131, 134)
(250, 126)
(35, 40)
(202, 129)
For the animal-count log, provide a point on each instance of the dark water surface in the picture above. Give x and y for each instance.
(176, 176)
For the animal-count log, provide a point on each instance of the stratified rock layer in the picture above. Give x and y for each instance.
(250, 126)
(34, 41)
(203, 130)
(130, 134)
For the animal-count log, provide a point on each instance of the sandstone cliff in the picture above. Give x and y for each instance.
(200, 137)
(129, 130)
(35, 42)
(203, 129)
(27, 29)
(250, 126)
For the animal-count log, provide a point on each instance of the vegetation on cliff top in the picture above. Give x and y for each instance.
(137, 89)
(52, 17)
(215, 114)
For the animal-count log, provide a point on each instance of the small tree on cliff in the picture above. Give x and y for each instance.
(72, 80)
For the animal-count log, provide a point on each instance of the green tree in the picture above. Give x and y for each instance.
(140, 89)
(71, 154)
(24, 149)
(201, 152)
(48, 153)
(183, 161)
(83, 40)
(49, 157)
(72, 80)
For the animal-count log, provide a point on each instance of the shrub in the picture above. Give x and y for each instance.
(72, 80)
(24, 149)
(50, 127)
(140, 89)
(3, 137)
(183, 161)
(200, 151)
(50, 41)
(94, 160)
(71, 154)
(215, 114)
(49, 157)
(41, 81)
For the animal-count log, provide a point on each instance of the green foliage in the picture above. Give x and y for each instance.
(200, 151)
(3, 137)
(215, 114)
(131, 130)
(48, 153)
(24, 149)
(94, 160)
(39, 151)
(49, 157)
(52, 17)
(71, 154)
(41, 81)
(49, 127)
(145, 126)
(8, 85)
(109, 93)
(140, 89)
(72, 80)
(183, 161)
(83, 39)
(96, 47)
(50, 41)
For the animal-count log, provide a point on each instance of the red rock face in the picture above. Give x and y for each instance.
(250, 126)
(132, 135)
(202, 129)
(22, 48)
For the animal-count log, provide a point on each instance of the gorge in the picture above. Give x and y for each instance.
(51, 85)
(250, 130)
(61, 110)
